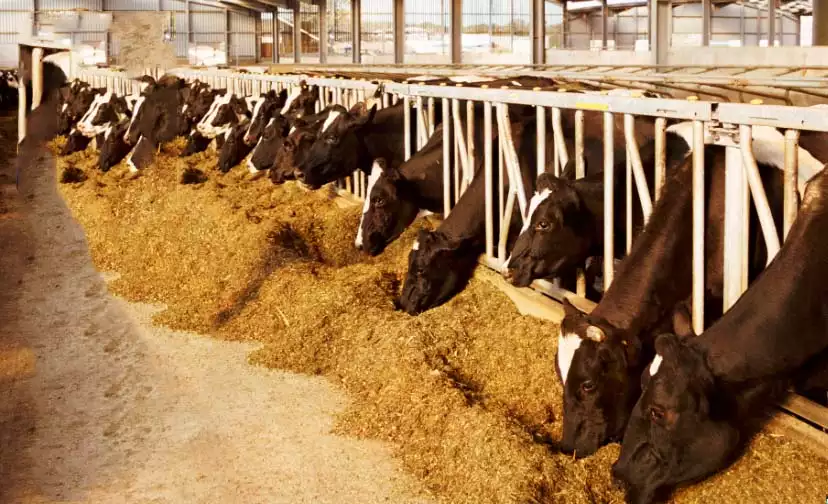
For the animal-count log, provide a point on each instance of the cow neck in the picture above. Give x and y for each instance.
(591, 192)
(780, 322)
(374, 141)
(466, 223)
(653, 278)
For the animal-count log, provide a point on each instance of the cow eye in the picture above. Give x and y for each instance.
(379, 201)
(542, 225)
(330, 140)
(656, 414)
(588, 386)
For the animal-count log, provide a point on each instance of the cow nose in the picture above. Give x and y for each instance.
(248, 139)
(508, 274)
(298, 175)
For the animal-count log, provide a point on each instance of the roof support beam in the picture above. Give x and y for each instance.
(275, 28)
(820, 30)
(771, 22)
(456, 31)
(323, 31)
(604, 30)
(297, 33)
(356, 31)
(399, 30)
(707, 11)
(538, 32)
(660, 12)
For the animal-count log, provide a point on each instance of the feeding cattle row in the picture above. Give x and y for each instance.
(679, 404)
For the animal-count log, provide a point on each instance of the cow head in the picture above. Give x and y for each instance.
(198, 101)
(593, 362)
(106, 109)
(10, 77)
(269, 144)
(113, 149)
(293, 151)
(301, 102)
(336, 151)
(265, 109)
(146, 84)
(437, 269)
(556, 237)
(226, 111)
(680, 428)
(75, 100)
(387, 210)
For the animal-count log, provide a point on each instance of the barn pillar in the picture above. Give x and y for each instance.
(399, 31)
(297, 32)
(274, 35)
(771, 23)
(660, 11)
(604, 17)
(820, 29)
(456, 31)
(538, 32)
(37, 77)
(323, 31)
(227, 36)
(356, 30)
(707, 11)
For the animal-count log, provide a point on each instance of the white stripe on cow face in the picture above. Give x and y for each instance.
(140, 101)
(250, 166)
(416, 245)
(376, 173)
(769, 149)
(330, 120)
(205, 126)
(568, 344)
(292, 98)
(292, 129)
(256, 111)
(534, 203)
(64, 107)
(85, 125)
(655, 365)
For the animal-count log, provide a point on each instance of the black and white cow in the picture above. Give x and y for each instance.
(601, 355)
(565, 225)
(290, 152)
(269, 144)
(195, 107)
(698, 393)
(301, 102)
(9, 89)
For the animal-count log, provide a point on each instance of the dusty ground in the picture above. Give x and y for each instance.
(97, 405)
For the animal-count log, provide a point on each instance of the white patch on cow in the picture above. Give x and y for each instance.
(85, 125)
(769, 148)
(185, 107)
(64, 107)
(143, 86)
(416, 245)
(534, 203)
(516, 83)
(108, 131)
(567, 345)
(655, 365)
(130, 163)
(227, 134)
(330, 120)
(470, 78)
(250, 166)
(205, 126)
(256, 111)
(423, 213)
(292, 129)
(140, 101)
(376, 173)
(292, 98)
(684, 130)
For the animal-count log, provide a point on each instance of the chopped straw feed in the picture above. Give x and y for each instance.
(466, 393)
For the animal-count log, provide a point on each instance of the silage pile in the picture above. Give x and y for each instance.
(466, 392)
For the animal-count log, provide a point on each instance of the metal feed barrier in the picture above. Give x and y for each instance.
(727, 124)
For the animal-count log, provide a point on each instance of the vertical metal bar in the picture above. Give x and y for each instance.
(561, 154)
(323, 29)
(470, 147)
(505, 221)
(634, 161)
(274, 35)
(628, 204)
(791, 204)
(487, 168)
(456, 31)
(698, 227)
(538, 32)
(660, 155)
(446, 159)
(227, 35)
(757, 190)
(609, 197)
(455, 148)
(399, 31)
(421, 123)
(461, 152)
(772, 22)
(500, 169)
(541, 129)
(407, 126)
(707, 9)
(356, 31)
(21, 111)
(580, 169)
(604, 30)
(297, 33)
(430, 117)
(735, 228)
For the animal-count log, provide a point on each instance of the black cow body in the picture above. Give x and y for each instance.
(290, 152)
(601, 355)
(234, 149)
(566, 220)
(698, 393)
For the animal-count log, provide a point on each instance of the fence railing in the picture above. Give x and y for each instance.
(727, 124)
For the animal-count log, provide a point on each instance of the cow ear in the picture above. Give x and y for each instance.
(667, 345)
(570, 310)
(363, 114)
(548, 181)
(99, 91)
